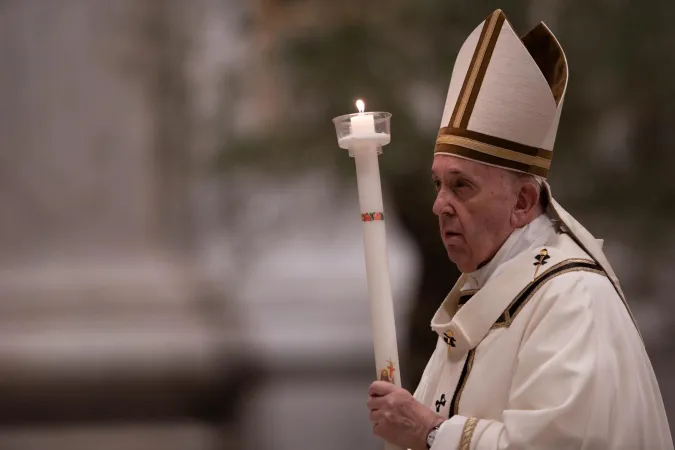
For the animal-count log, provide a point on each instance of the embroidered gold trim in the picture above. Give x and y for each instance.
(460, 300)
(468, 292)
(564, 263)
(467, 433)
(496, 142)
(540, 261)
(449, 339)
(456, 150)
(562, 272)
(491, 150)
(508, 317)
(498, 325)
(475, 69)
(462, 382)
(465, 296)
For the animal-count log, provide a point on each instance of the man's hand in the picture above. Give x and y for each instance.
(398, 418)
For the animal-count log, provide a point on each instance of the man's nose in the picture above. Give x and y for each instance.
(442, 205)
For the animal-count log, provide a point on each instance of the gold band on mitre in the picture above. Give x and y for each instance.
(494, 151)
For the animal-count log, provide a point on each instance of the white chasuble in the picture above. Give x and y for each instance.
(537, 350)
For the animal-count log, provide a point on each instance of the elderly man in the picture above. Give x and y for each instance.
(537, 347)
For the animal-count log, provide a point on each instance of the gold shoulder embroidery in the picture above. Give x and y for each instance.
(569, 265)
(539, 261)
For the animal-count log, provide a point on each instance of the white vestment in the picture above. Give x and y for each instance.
(537, 350)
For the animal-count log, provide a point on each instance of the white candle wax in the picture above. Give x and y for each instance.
(363, 124)
(377, 264)
(377, 268)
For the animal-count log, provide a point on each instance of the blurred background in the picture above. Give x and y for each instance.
(181, 261)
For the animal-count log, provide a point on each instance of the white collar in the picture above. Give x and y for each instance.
(531, 235)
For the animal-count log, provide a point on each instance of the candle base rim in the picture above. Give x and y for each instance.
(377, 114)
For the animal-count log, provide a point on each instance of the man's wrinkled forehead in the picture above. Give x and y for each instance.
(450, 164)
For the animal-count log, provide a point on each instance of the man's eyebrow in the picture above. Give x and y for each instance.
(449, 171)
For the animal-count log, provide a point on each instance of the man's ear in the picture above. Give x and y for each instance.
(527, 200)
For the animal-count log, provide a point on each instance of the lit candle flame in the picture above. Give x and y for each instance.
(360, 106)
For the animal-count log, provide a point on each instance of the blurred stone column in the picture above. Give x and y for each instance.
(106, 312)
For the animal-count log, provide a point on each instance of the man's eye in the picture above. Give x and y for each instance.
(461, 185)
(437, 184)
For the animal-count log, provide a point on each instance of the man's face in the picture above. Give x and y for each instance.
(474, 205)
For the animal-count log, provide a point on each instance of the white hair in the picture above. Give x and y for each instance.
(541, 190)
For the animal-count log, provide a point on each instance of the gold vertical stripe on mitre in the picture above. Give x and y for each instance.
(465, 82)
(480, 61)
(498, 152)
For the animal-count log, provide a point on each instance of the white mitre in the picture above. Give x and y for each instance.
(505, 98)
(503, 109)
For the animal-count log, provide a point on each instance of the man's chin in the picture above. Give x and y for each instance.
(459, 258)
